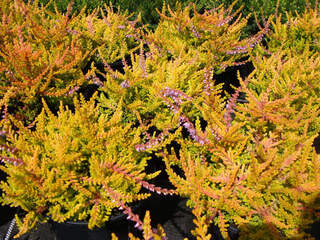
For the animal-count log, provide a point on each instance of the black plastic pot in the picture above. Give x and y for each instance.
(79, 231)
(7, 212)
(118, 225)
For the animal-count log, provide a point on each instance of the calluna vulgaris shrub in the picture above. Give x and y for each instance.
(62, 5)
(213, 38)
(298, 33)
(80, 165)
(298, 52)
(147, 9)
(148, 232)
(260, 10)
(144, 85)
(39, 57)
(43, 54)
(251, 164)
(257, 169)
(175, 65)
(150, 17)
(112, 34)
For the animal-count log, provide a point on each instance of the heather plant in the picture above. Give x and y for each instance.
(78, 165)
(39, 57)
(212, 37)
(157, 77)
(53, 51)
(147, 230)
(298, 75)
(148, 9)
(298, 33)
(295, 53)
(110, 32)
(253, 164)
(260, 10)
(62, 5)
(145, 84)
(149, 15)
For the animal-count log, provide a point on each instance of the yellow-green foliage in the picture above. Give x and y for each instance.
(78, 165)
(259, 171)
(212, 37)
(297, 33)
(148, 232)
(296, 77)
(156, 79)
(250, 164)
(39, 56)
(151, 84)
(110, 32)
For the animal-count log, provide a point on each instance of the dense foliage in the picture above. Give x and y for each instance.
(39, 57)
(263, 8)
(254, 164)
(260, 170)
(248, 163)
(78, 165)
(260, 10)
(175, 64)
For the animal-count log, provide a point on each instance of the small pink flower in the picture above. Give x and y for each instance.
(125, 84)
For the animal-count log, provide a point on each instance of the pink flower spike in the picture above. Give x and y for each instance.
(137, 225)
(125, 84)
